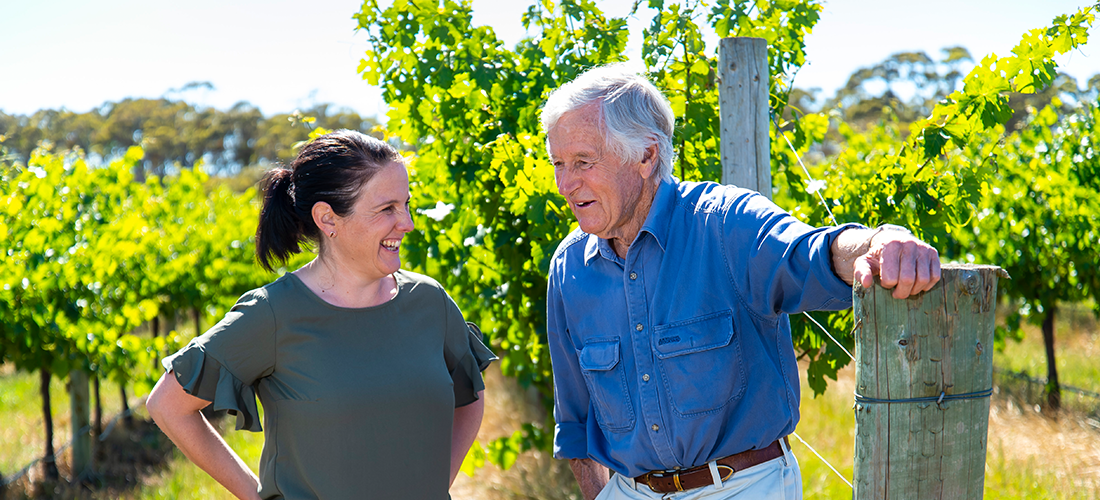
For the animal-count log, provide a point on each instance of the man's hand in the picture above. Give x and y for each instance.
(900, 260)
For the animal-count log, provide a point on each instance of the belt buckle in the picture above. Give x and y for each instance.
(675, 475)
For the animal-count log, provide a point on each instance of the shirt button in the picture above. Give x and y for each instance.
(656, 428)
(645, 377)
(639, 327)
(633, 276)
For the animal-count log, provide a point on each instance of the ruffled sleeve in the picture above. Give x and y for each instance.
(466, 375)
(204, 377)
(482, 355)
(465, 354)
(224, 364)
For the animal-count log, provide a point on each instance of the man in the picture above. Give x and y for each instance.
(667, 309)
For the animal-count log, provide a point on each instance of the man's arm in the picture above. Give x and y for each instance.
(571, 401)
(902, 262)
(591, 476)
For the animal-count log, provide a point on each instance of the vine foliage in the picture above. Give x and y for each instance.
(490, 217)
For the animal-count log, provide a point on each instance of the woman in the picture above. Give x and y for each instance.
(363, 369)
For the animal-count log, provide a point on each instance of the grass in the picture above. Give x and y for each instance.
(1076, 344)
(1033, 457)
(535, 475)
(23, 434)
(1004, 477)
(829, 426)
(183, 480)
(1029, 456)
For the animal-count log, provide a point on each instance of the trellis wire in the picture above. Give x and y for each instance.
(807, 314)
(837, 342)
(813, 182)
(841, 476)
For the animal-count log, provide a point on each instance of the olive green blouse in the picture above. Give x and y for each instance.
(358, 403)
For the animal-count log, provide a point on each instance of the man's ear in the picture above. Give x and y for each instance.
(324, 217)
(648, 166)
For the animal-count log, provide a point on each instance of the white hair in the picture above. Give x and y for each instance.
(633, 114)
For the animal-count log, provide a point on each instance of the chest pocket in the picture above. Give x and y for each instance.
(603, 373)
(700, 363)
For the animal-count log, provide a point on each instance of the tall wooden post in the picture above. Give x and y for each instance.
(743, 106)
(924, 372)
(81, 416)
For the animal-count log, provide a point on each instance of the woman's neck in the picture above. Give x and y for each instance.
(346, 289)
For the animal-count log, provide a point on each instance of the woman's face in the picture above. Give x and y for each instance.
(368, 239)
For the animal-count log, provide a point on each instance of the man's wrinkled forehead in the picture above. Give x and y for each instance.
(580, 123)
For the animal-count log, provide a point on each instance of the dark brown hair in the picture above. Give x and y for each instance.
(331, 168)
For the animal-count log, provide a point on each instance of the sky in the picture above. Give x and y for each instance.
(282, 55)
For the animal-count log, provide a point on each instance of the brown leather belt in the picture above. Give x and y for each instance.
(669, 481)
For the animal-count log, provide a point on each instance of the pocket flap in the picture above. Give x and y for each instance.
(600, 355)
(701, 333)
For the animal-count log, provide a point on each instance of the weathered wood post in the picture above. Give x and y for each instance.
(82, 438)
(743, 109)
(924, 372)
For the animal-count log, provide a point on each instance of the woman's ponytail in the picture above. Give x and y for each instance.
(279, 232)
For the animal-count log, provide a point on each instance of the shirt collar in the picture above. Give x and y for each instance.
(595, 246)
(591, 248)
(656, 223)
(660, 213)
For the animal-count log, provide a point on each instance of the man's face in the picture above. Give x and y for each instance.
(601, 189)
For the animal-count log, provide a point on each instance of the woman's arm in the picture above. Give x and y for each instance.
(177, 414)
(467, 421)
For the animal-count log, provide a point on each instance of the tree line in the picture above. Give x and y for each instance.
(906, 86)
(173, 133)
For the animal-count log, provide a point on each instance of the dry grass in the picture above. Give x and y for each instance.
(535, 475)
(1029, 454)
(829, 426)
(1066, 447)
(23, 435)
(1076, 345)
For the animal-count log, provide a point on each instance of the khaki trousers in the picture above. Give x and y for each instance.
(778, 479)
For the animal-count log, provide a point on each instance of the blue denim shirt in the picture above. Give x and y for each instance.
(681, 353)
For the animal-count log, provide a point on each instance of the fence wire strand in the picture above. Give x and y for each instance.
(835, 341)
(838, 474)
(813, 183)
(816, 190)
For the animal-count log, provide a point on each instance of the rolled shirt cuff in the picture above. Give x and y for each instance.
(570, 441)
(833, 285)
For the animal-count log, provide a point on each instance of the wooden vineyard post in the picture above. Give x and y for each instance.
(924, 372)
(743, 107)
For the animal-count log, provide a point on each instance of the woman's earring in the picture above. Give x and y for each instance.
(332, 234)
